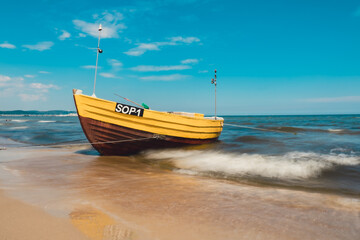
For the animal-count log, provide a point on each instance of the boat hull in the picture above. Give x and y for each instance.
(111, 139)
(118, 129)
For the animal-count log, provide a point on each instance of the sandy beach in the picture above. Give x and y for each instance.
(19, 220)
(73, 195)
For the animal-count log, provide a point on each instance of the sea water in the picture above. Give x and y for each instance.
(263, 176)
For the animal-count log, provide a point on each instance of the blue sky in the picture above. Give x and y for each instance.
(272, 57)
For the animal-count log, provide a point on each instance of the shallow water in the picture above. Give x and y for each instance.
(313, 153)
(250, 185)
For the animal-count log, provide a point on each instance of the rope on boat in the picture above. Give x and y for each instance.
(260, 129)
(79, 144)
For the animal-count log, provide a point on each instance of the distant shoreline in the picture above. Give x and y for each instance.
(37, 112)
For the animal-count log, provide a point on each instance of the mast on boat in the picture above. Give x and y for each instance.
(213, 81)
(97, 57)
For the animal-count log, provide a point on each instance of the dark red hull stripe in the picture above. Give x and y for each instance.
(97, 131)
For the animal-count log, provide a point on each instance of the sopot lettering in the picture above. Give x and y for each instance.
(130, 110)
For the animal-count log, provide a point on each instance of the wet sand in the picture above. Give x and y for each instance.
(20, 221)
(133, 198)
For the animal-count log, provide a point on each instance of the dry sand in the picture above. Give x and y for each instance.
(20, 221)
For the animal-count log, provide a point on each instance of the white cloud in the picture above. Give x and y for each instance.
(185, 40)
(64, 35)
(190, 61)
(10, 85)
(203, 71)
(6, 81)
(108, 75)
(31, 97)
(333, 99)
(142, 48)
(16, 86)
(109, 21)
(89, 67)
(149, 46)
(41, 46)
(92, 29)
(111, 16)
(44, 72)
(29, 76)
(149, 68)
(134, 52)
(172, 77)
(7, 45)
(4, 78)
(82, 35)
(43, 87)
(115, 64)
(155, 46)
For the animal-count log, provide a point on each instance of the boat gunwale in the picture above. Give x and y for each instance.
(152, 119)
(220, 119)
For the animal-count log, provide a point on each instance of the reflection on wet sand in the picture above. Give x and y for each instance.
(97, 225)
(133, 198)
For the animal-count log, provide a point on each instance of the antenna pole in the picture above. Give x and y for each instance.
(98, 50)
(213, 81)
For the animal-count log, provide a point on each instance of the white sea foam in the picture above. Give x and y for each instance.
(293, 165)
(12, 171)
(335, 130)
(185, 171)
(19, 120)
(66, 115)
(16, 128)
(46, 121)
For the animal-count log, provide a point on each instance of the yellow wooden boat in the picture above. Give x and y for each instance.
(119, 129)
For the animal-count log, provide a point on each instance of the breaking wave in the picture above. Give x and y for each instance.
(17, 128)
(18, 120)
(292, 165)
